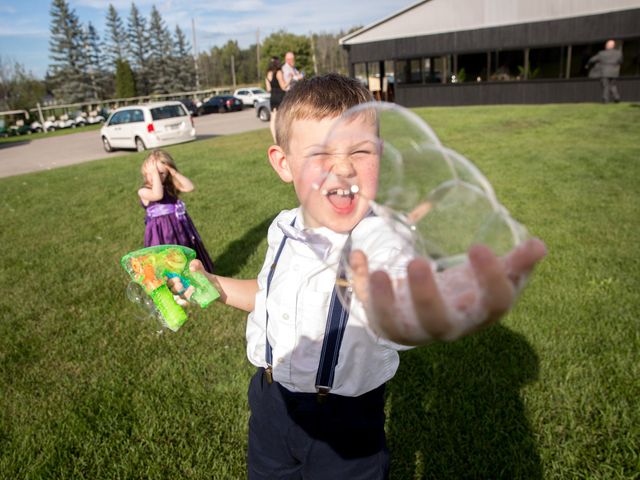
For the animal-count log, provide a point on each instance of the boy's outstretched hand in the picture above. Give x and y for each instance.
(430, 306)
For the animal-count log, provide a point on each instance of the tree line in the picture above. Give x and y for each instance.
(139, 56)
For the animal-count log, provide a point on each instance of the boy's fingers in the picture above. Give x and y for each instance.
(522, 259)
(196, 266)
(427, 301)
(381, 304)
(498, 291)
(360, 275)
(175, 285)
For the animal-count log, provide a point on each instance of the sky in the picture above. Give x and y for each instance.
(24, 24)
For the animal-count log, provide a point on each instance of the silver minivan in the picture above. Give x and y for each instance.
(149, 125)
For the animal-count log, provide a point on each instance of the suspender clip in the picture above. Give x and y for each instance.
(322, 395)
(268, 374)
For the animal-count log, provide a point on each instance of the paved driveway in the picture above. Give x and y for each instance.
(53, 152)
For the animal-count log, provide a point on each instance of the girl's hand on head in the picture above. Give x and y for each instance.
(151, 165)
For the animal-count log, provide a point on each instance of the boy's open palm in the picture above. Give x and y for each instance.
(430, 306)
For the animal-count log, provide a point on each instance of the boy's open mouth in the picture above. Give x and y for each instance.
(341, 198)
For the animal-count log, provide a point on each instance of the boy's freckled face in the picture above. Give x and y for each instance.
(334, 170)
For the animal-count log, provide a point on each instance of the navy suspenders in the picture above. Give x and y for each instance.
(268, 354)
(337, 318)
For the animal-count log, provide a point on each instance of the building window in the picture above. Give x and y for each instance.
(374, 82)
(409, 71)
(436, 69)
(507, 65)
(545, 63)
(389, 69)
(580, 55)
(472, 67)
(360, 72)
(388, 90)
(630, 57)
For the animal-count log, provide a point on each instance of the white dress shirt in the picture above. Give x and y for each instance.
(298, 303)
(288, 74)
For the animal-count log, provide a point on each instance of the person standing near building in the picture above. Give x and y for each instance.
(291, 73)
(606, 66)
(277, 87)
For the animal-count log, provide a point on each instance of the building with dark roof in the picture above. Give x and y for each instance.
(465, 52)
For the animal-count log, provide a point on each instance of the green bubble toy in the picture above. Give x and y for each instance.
(151, 267)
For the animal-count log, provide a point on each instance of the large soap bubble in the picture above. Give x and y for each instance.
(383, 178)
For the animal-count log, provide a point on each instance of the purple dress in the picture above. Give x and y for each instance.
(167, 222)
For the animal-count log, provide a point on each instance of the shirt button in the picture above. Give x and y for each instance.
(285, 316)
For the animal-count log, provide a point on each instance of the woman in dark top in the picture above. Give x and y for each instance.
(276, 85)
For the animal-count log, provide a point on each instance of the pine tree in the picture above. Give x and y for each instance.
(93, 61)
(66, 43)
(138, 47)
(115, 44)
(125, 83)
(160, 58)
(183, 68)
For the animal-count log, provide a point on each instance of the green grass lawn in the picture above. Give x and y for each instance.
(89, 390)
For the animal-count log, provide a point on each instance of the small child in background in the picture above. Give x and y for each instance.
(167, 220)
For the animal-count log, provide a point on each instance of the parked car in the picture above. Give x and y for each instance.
(221, 103)
(263, 110)
(251, 96)
(190, 105)
(148, 125)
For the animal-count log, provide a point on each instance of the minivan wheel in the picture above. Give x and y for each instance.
(106, 145)
(140, 145)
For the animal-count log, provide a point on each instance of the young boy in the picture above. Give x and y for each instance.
(317, 399)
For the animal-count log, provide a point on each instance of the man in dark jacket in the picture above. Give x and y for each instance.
(606, 66)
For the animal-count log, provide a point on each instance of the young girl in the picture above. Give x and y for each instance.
(167, 220)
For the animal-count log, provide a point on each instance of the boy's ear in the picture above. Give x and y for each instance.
(279, 163)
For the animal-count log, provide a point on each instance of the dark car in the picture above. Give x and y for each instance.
(263, 109)
(191, 106)
(221, 103)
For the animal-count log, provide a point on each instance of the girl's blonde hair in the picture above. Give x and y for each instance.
(163, 157)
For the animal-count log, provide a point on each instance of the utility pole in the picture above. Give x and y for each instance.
(233, 71)
(313, 55)
(195, 53)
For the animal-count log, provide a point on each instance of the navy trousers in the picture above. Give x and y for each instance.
(293, 436)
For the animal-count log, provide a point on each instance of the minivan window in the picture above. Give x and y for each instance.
(117, 118)
(136, 116)
(168, 111)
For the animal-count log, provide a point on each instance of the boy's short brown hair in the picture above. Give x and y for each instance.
(317, 98)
